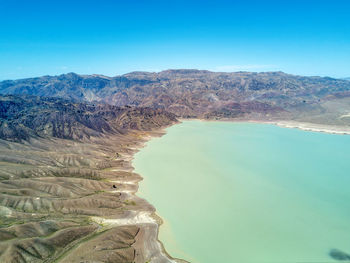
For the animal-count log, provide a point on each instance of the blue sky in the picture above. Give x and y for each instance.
(115, 37)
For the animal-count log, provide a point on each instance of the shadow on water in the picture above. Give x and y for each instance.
(339, 255)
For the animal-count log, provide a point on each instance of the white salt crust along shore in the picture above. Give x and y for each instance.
(154, 250)
(333, 129)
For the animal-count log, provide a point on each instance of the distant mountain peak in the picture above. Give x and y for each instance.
(185, 71)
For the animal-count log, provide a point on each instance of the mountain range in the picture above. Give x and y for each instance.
(203, 94)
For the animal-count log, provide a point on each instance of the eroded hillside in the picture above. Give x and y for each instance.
(67, 184)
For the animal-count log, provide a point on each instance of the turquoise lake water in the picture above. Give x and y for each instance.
(245, 192)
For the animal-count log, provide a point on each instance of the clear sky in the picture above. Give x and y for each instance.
(108, 37)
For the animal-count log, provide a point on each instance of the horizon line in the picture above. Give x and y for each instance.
(175, 69)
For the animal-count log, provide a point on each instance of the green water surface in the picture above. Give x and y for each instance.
(244, 192)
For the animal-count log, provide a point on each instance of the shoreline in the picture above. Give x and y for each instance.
(154, 217)
(147, 218)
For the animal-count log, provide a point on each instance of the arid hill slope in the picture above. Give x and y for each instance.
(66, 182)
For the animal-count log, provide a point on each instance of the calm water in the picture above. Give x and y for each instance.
(242, 192)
